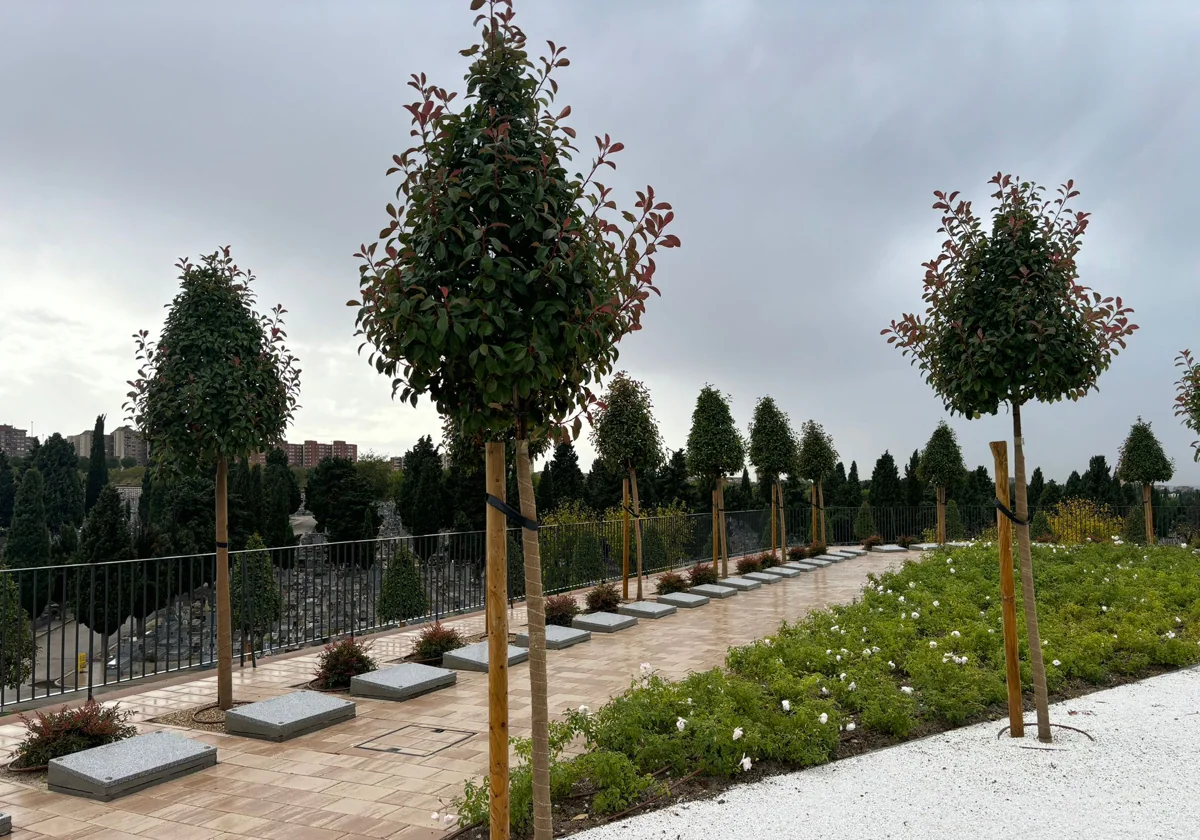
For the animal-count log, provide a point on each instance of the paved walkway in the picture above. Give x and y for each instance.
(326, 786)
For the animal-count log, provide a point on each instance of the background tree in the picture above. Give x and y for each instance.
(673, 482)
(1098, 482)
(602, 487)
(278, 483)
(566, 481)
(886, 494)
(914, 487)
(401, 593)
(97, 470)
(624, 432)
(245, 503)
(942, 466)
(28, 543)
(1007, 322)
(773, 452)
(816, 461)
(421, 502)
(851, 495)
(19, 649)
(63, 492)
(106, 593)
(376, 471)
(1143, 461)
(254, 594)
(218, 385)
(864, 522)
(1051, 495)
(714, 450)
(340, 499)
(1073, 489)
(1037, 483)
(1187, 395)
(8, 491)
(501, 290)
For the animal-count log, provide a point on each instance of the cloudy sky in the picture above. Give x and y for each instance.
(799, 142)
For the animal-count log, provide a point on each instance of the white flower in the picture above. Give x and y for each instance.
(933, 644)
(737, 733)
(1178, 620)
(767, 642)
(745, 762)
(955, 634)
(874, 649)
(829, 652)
(964, 660)
(951, 570)
(680, 723)
(689, 701)
(787, 705)
(450, 819)
(839, 657)
(435, 816)
(916, 615)
(853, 685)
(907, 689)
(866, 651)
(891, 665)
(646, 669)
(1103, 608)
(1055, 663)
(850, 726)
(948, 559)
(842, 676)
(584, 710)
(936, 604)
(824, 691)
(990, 630)
(833, 628)
(824, 718)
(912, 584)
(1170, 634)
(901, 599)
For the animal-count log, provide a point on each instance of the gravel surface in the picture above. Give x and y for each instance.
(1137, 779)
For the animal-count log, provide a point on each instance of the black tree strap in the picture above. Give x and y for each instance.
(512, 513)
(1008, 513)
(628, 509)
(223, 545)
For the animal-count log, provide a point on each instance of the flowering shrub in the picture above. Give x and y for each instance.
(604, 598)
(669, 582)
(872, 541)
(340, 661)
(748, 564)
(50, 735)
(561, 609)
(1075, 521)
(437, 640)
(702, 573)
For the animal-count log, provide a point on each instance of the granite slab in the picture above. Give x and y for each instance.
(830, 558)
(782, 571)
(603, 622)
(712, 590)
(646, 609)
(687, 600)
(402, 682)
(890, 548)
(799, 566)
(763, 577)
(288, 715)
(123, 767)
(818, 562)
(557, 637)
(475, 657)
(740, 583)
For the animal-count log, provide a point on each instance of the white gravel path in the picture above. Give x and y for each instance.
(1138, 780)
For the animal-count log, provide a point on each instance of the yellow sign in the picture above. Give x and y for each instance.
(82, 664)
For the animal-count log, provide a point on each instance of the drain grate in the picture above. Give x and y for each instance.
(416, 740)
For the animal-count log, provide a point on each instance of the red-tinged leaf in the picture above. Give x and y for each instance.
(564, 113)
(616, 147)
(570, 132)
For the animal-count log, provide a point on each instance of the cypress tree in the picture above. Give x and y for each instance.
(1037, 483)
(277, 499)
(914, 488)
(851, 495)
(1074, 486)
(28, 545)
(673, 482)
(886, 490)
(567, 476)
(546, 497)
(1051, 495)
(105, 539)
(255, 601)
(401, 593)
(864, 522)
(97, 466)
(8, 491)
(59, 466)
(340, 499)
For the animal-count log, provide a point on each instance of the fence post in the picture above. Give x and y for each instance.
(1008, 590)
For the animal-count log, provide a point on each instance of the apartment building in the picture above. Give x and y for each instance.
(311, 452)
(127, 442)
(14, 442)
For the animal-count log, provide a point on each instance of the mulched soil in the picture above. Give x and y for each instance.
(203, 718)
(571, 816)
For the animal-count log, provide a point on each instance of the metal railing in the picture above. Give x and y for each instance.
(102, 625)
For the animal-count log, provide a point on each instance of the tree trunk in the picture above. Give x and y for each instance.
(716, 552)
(1008, 599)
(224, 625)
(497, 633)
(782, 520)
(774, 539)
(625, 539)
(1148, 508)
(637, 527)
(535, 608)
(724, 527)
(941, 511)
(1037, 666)
(812, 500)
(821, 502)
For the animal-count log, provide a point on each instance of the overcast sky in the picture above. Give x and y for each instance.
(799, 143)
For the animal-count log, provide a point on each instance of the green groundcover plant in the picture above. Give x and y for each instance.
(921, 649)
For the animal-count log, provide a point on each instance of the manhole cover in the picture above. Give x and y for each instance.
(416, 740)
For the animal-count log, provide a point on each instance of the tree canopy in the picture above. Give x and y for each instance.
(420, 503)
(714, 446)
(1006, 319)
(1142, 459)
(773, 447)
(1187, 395)
(886, 489)
(817, 458)
(340, 499)
(97, 466)
(941, 461)
(28, 543)
(219, 382)
(59, 466)
(8, 491)
(624, 430)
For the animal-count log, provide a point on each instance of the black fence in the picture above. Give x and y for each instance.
(107, 624)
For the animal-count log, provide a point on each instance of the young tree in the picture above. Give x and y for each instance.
(401, 592)
(254, 594)
(914, 488)
(816, 461)
(8, 491)
(1007, 322)
(97, 473)
(59, 467)
(864, 522)
(107, 593)
(942, 465)
(218, 385)
(714, 450)
(500, 288)
(624, 432)
(28, 545)
(773, 452)
(1143, 461)
(1051, 495)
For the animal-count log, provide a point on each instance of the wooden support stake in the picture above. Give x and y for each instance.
(716, 552)
(497, 618)
(637, 528)
(625, 539)
(724, 529)
(821, 502)
(1148, 508)
(941, 506)
(774, 540)
(224, 624)
(782, 521)
(1008, 594)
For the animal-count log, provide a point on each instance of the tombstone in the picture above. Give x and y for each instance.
(741, 584)
(475, 657)
(891, 548)
(401, 682)
(712, 590)
(288, 716)
(686, 600)
(796, 565)
(603, 622)
(782, 572)
(123, 767)
(557, 637)
(646, 609)
(762, 577)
